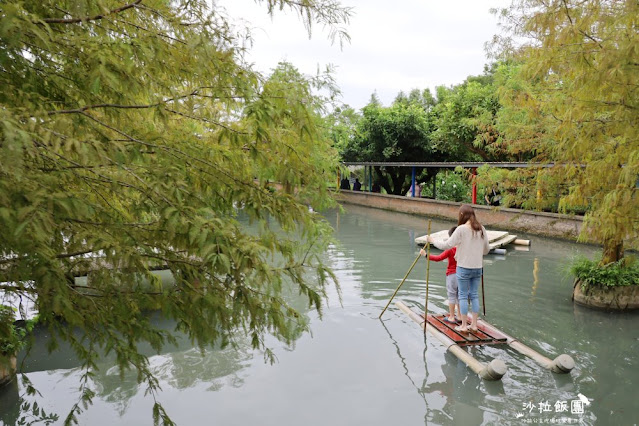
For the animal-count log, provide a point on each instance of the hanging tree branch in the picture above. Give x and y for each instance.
(91, 18)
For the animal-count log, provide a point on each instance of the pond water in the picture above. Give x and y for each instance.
(355, 369)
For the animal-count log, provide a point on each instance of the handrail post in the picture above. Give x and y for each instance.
(474, 172)
(413, 182)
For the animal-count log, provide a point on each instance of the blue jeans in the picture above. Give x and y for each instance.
(468, 283)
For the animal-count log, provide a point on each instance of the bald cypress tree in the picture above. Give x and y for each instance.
(581, 64)
(132, 134)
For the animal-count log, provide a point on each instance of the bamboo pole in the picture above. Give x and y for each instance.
(562, 364)
(400, 284)
(427, 275)
(483, 295)
(494, 370)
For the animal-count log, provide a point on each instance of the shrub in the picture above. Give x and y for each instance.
(451, 186)
(621, 273)
(12, 338)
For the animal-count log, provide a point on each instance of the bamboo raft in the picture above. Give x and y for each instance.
(486, 334)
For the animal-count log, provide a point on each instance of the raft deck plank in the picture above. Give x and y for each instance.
(483, 336)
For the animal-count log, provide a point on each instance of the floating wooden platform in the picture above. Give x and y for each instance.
(496, 239)
(486, 334)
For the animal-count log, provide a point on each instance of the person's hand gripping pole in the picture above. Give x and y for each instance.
(405, 276)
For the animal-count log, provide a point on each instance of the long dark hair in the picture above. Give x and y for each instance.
(466, 213)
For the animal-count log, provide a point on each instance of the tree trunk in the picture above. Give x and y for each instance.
(395, 177)
(612, 251)
(398, 183)
(382, 179)
(7, 369)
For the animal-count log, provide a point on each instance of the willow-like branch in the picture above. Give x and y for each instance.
(195, 92)
(91, 18)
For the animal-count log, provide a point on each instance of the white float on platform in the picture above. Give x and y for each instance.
(496, 239)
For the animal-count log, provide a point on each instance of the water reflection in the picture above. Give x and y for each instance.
(178, 370)
(451, 392)
(10, 403)
(179, 366)
(420, 389)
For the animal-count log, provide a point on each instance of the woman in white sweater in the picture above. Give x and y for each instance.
(471, 241)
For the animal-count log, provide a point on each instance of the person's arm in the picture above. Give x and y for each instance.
(486, 246)
(451, 242)
(439, 257)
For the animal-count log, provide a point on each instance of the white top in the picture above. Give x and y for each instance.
(471, 247)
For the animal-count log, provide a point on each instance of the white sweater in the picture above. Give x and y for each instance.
(471, 247)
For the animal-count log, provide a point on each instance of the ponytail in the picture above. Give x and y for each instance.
(466, 214)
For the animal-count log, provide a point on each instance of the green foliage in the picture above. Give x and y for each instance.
(396, 133)
(131, 137)
(466, 119)
(576, 96)
(524, 125)
(532, 188)
(451, 186)
(458, 124)
(510, 185)
(32, 413)
(12, 338)
(342, 123)
(424, 98)
(624, 272)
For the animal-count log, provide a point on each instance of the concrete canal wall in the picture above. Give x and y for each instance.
(539, 223)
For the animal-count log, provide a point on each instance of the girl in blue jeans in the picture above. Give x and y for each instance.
(471, 241)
